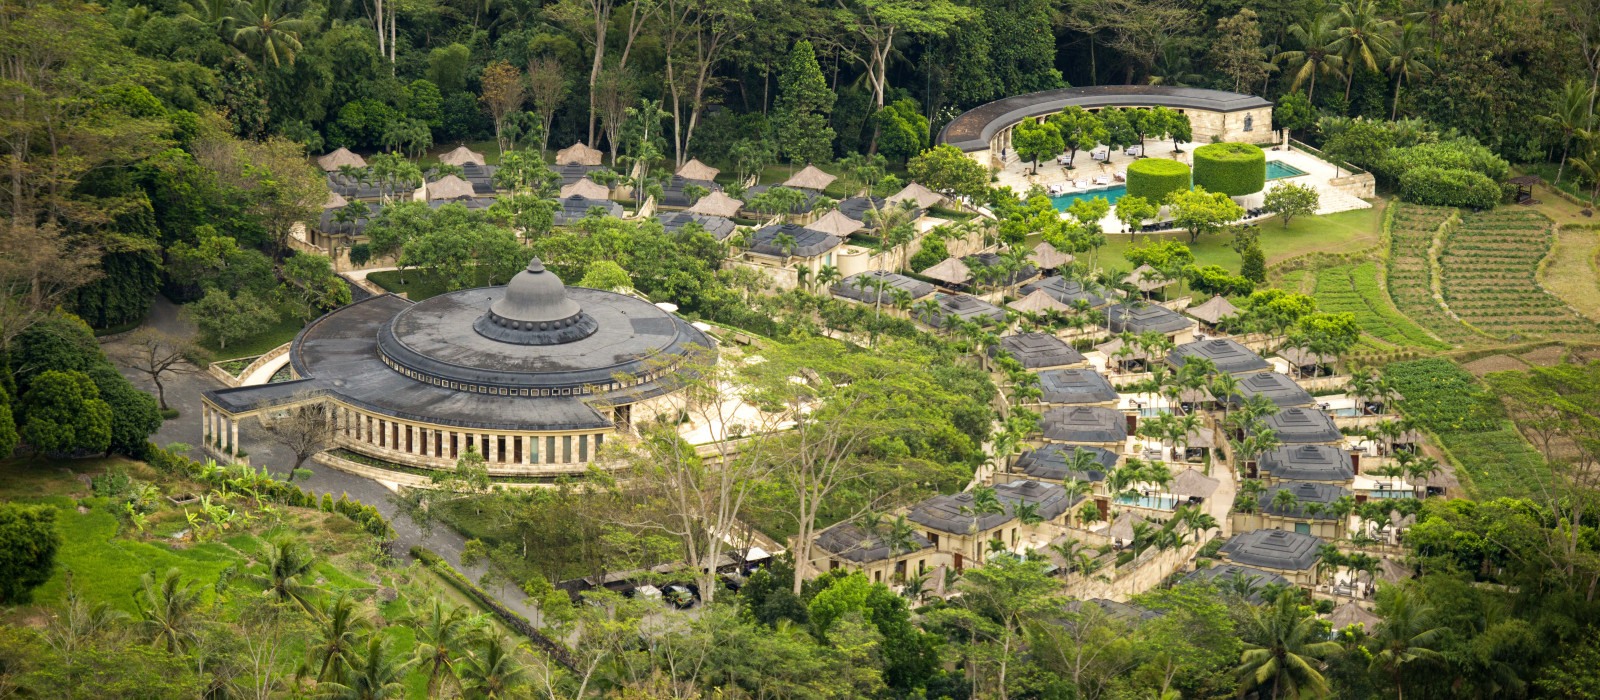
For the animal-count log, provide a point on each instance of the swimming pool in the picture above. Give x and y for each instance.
(1276, 170)
(1157, 502)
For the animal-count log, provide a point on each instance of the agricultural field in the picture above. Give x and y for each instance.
(1490, 266)
(1410, 284)
(1354, 289)
(1493, 458)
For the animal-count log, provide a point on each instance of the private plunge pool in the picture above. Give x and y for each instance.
(1157, 502)
(1276, 170)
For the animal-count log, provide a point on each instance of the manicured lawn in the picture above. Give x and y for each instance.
(1571, 273)
(1343, 232)
(287, 327)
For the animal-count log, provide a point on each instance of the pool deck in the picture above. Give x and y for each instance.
(1318, 174)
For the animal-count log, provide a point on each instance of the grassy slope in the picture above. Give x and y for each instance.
(287, 327)
(1336, 233)
(1571, 273)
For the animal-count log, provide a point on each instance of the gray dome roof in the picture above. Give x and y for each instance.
(535, 310)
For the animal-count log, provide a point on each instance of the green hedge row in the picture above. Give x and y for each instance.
(1234, 169)
(510, 617)
(1155, 178)
(1449, 187)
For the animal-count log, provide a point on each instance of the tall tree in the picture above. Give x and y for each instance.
(503, 93)
(591, 21)
(547, 88)
(803, 106)
(1315, 55)
(1571, 113)
(876, 23)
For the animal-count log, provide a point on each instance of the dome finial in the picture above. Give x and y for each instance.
(535, 265)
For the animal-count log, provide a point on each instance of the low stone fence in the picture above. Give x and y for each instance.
(215, 369)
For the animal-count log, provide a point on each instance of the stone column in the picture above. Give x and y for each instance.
(205, 425)
(233, 440)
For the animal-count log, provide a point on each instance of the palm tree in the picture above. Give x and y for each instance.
(827, 275)
(1571, 112)
(492, 672)
(289, 562)
(335, 646)
(1284, 501)
(1362, 37)
(270, 28)
(375, 675)
(168, 610)
(1027, 513)
(1406, 49)
(785, 244)
(1406, 634)
(1281, 643)
(1314, 56)
(442, 636)
(1588, 165)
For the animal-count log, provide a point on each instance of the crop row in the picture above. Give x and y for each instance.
(1355, 289)
(1489, 277)
(1409, 271)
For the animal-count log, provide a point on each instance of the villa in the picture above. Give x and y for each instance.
(964, 308)
(1292, 555)
(1282, 390)
(1040, 351)
(1076, 387)
(1053, 463)
(1094, 426)
(1298, 517)
(1220, 575)
(863, 287)
(1066, 291)
(1227, 355)
(953, 528)
(847, 546)
(1325, 464)
(1150, 318)
(1304, 426)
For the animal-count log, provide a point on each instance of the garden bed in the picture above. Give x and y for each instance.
(1410, 271)
(1490, 277)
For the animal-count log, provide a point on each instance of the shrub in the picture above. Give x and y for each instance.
(1155, 178)
(28, 545)
(1449, 187)
(1454, 154)
(1234, 169)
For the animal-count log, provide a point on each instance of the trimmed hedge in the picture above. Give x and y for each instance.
(1234, 169)
(555, 649)
(1449, 187)
(1155, 178)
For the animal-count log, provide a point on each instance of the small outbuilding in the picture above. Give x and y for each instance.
(578, 154)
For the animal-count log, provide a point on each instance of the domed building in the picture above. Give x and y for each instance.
(535, 375)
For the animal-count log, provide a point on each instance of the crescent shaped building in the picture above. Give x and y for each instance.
(984, 132)
(534, 375)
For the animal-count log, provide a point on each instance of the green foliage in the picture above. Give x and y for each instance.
(1217, 280)
(1289, 200)
(1253, 264)
(1234, 169)
(1442, 397)
(1361, 144)
(310, 283)
(1202, 212)
(1449, 154)
(802, 108)
(605, 274)
(1449, 188)
(8, 425)
(1161, 255)
(62, 412)
(1156, 178)
(134, 414)
(933, 252)
(902, 132)
(447, 68)
(1036, 141)
(28, 545)
(222, 318)
(947, 170)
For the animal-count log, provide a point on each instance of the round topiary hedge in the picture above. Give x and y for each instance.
(1155, 178)
(1234, 169)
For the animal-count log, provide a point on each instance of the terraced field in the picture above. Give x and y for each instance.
(1410, 239)
(1354, 289)
(1489, 267)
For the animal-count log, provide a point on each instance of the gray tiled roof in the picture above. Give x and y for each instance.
(1298, 426)
(719, 227)
(1219, 572)
(943, 513)
(672, 190)
(857, 208)
(1307, 492)
(1075, 386)
(1283, 391)
(1052, 463)
(572, 172)
(990, 260)
(1228, 355)
(1273, 549)
(1121, 611)
(1036, 350)
(358, 227)
(576, 207)
(1050, 498)
(473, 203)
(848, 541)
(965, 307)
(850, 288)
(807, 243)
(1149, 317)
(1066, 291)
(1306, 463)
(1084, 424)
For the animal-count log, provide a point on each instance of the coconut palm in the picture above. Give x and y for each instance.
(335, 644)
(442, 633)
(1315, 55)
(1406, 49)
(492, 672)
(1282, 642)
(269, 28)
(1405, 636)
(1570, 113)
(1284, 501)
(827, 275)
(1587, 165)
(1362, 37)
(374, 675)
(169, 610)
(289, 563)
(1027, 513)
(785, 243)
